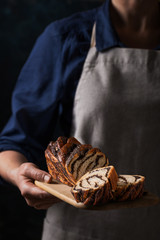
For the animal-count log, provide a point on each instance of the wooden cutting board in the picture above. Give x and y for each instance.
(63, 192)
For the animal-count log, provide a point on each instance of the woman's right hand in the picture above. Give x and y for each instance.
(35, 197)
(15, 169)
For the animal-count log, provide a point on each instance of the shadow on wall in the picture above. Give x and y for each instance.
(21, 22)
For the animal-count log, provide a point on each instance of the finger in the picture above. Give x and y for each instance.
(42, 203)
(46, 205)
(43, 206)
(33, 172)
(30, 190)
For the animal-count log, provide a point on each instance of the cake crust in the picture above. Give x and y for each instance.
(67, 159)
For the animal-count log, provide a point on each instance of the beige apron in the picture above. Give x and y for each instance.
(116, 108)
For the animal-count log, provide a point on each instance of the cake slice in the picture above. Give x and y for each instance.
(129, 187)
(84, 159)
(96, 186)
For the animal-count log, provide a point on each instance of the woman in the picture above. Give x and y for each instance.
(117, 94)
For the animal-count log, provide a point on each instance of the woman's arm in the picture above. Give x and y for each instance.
(35, 103)
(15, 169)
(10, 161)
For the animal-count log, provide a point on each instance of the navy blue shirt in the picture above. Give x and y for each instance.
(46, 86)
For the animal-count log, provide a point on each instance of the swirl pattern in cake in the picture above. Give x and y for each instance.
(129, 187)
(86, 170)
(68, 160)
(96, 187)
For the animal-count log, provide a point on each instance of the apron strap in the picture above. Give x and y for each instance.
(93, 36)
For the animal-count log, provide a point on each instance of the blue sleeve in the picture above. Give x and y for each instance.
(35, 100)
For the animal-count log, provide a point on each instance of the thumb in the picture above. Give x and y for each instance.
(33, 172)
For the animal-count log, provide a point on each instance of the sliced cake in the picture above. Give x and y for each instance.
(84, 159)
(96, 186)
(129, 187)
(55, 159)
(68, 160)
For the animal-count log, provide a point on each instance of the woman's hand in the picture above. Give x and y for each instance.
(15, 169)
(27, 173)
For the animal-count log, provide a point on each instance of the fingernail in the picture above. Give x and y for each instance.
(47, 178)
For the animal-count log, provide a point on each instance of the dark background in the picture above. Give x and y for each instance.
(21, 22)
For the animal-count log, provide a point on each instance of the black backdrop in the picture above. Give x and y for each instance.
(21, 22)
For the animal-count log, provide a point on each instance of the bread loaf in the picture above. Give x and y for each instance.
(129, 187)
(86, 170)
(96, 186)
(68, 160)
